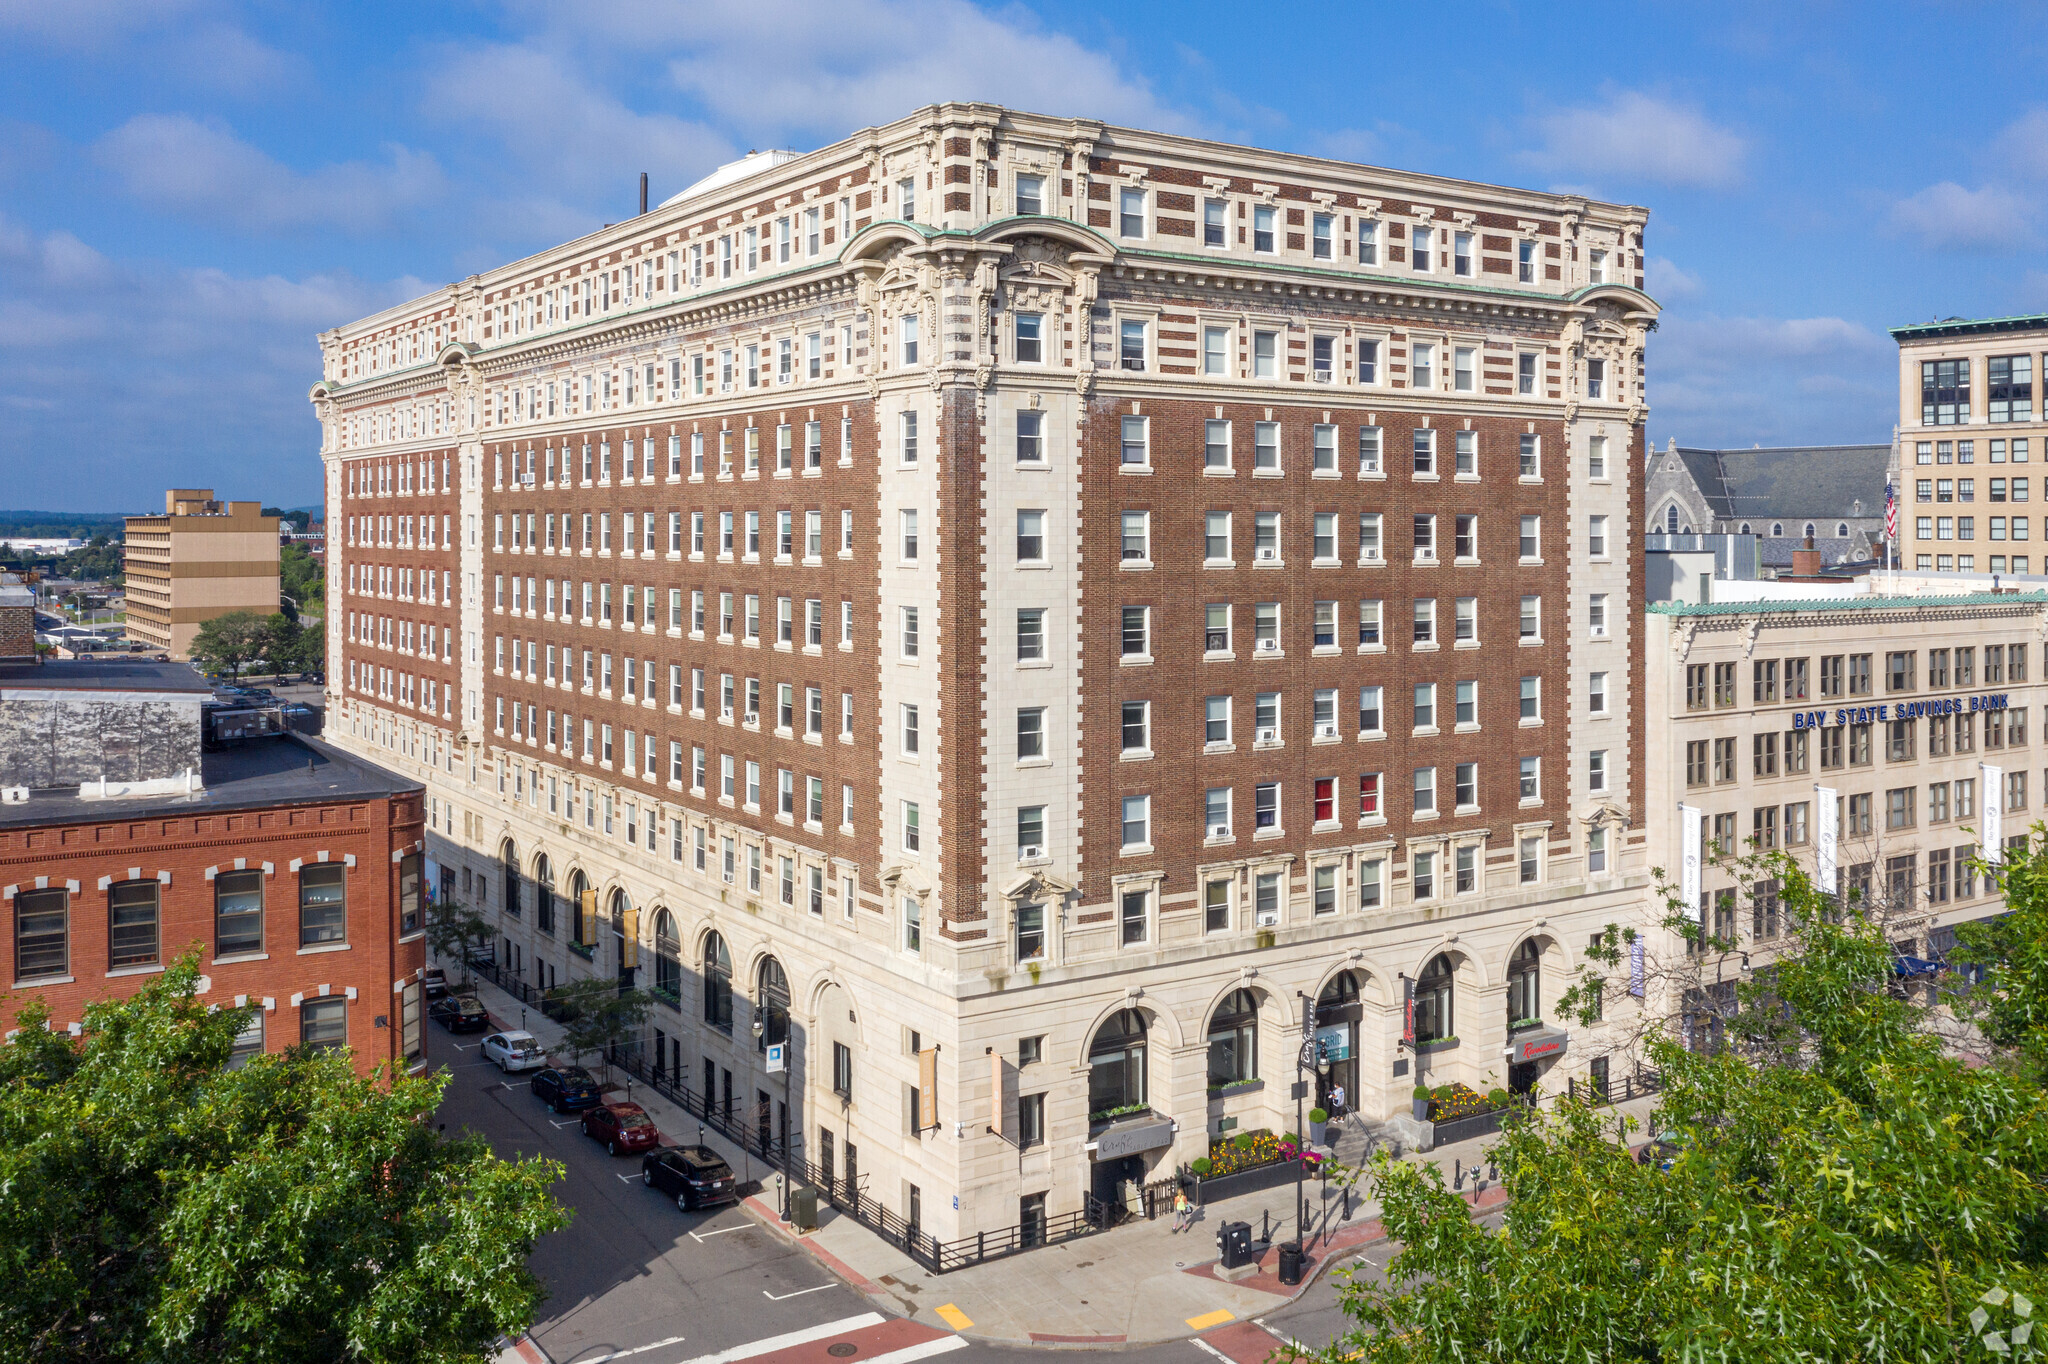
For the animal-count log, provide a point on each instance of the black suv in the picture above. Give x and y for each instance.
(460, 1013)
(696, 1175)
(566, 1088)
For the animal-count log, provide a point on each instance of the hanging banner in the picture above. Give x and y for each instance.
(1636, 970)
(1690, 823)
(1408, 1011)
(996, 1104)
(927, 1088)
(1993, 805)
(1828, 808)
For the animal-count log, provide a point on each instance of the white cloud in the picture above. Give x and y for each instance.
(1948, 215)
(89, 23)
(201, 170)
(1771, 381)
(1634, 136)
(1669, 283)
(2021, 149)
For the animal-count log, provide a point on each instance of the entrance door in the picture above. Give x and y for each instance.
(1109, 1176)
(825, 1161)
(1522, 1077)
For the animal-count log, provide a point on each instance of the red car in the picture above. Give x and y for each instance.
(622, 1127)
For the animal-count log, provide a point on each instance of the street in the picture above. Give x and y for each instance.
(631, 1276)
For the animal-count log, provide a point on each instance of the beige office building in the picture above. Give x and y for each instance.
(1972, 429)
(201, 559)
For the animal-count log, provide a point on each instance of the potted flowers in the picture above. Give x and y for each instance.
(1318, 1122)
(1422, 1097)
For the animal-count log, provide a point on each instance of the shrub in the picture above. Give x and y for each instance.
(1499, 1097)
(1423, 1092)
(1289, 1139)
(1201, 1165)
(1318, 1115)
(1443, 1092)
(1242, 1141)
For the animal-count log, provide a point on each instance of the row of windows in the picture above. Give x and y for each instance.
(1967, 563)
(1712, 761)
(400, 688)
(1965, 451)
(1773, 680)
(420, 639)
(591, 465)
(400, 477)
(1965, 489)
(1946, 390)
(1965, 528)
(743, 534)
(402, 582)
(401, 532)
(43, 919)
(1326, 542)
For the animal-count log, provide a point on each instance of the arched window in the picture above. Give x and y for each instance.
(1342, 989)
(543, 894)
(1671, 519)
(1778, 528)
(625, 926)
(1433, 1020)
(1841, 530)
(1525, 996)
(668, 957)
(508, 856)
(579, 931)
(1234, 1040)
(717, 983)
(771, 1003)
(1809, 529)
(1116, 1065)
(1745, 527)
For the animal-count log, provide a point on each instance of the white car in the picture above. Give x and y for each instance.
(516, 1049)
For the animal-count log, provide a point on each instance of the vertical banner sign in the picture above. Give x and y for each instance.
(996, 1104)
(1825, 857)
(588, 912)
(1635, 968)
(928, 1088)
(1408, 1011)
(1993, 807)
(1690, 822)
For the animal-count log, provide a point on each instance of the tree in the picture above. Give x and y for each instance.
(1848, 1188)
(601, 1015)
(156, 1204)
(231, 640)
(453, 928)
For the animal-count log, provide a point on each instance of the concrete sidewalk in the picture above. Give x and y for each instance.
(1137, 1283)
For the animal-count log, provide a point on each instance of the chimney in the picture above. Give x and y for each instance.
(1806, 561)
(643, 191)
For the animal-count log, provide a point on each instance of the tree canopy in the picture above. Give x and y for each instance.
(157, 1203)
(1848, 1187)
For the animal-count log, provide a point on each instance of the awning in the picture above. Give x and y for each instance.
(1538, 1044)
(1132, 1136)
(1913, 967)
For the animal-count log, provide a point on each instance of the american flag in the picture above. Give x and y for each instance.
(1891, 512)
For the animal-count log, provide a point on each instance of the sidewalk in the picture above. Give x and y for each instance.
(1137, 1283)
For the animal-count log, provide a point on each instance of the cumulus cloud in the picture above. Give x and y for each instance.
(2021, 148)
(201, 170)
(1634, 136)
(121, 380)
(1948, 215)
(1772, 381)
(1669, 283)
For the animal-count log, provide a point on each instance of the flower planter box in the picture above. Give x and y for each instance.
(1257, 1179)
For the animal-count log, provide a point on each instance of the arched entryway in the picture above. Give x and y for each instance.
(1338, 1012)
(543, 894)
(1434, 998)
(717, 983)
(508, 861)
(668, 957)
(1118, 1095)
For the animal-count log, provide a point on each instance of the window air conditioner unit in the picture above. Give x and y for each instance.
(782, 378)
(1267, 552)
(1327, 730)
(1219, 831)
(1269, 646)
(1267, 919)
(728, 877)
(1321, 376)
(1031, 852)
(1266, 736)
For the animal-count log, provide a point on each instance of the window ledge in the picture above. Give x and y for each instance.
(39, 981)
(1268, 833)
(233, 957)
(128, 971)
(1219, 563)
(318, 948)
(1215, 656)
(1135, 850)
(1374, 562)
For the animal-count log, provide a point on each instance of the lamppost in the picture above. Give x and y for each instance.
(1303, 1060)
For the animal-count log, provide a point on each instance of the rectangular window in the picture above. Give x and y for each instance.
(42, 933)
(323, 904)
(238, 911)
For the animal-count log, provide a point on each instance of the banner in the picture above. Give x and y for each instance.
(1993, 806)
(1690, 826)
(928, 1089)
(1828, 808)
(1636, 971)
(1408, 1011)
(996, 1103)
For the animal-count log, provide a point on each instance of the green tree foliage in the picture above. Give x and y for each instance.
(156, 1205)
(599, 1015)
(453, 928)
(301, 577)
(230, 642)
(1848, 1189)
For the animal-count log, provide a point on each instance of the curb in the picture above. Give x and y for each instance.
(851, 1277)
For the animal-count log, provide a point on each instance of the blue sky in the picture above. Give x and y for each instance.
(191, 189)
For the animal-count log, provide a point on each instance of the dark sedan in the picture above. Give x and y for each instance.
(622, 1127)
(566, 1088)
(696, 1175)
(460, 1013)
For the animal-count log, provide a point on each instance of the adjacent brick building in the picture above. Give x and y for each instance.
(292, 869)
(1010, 586)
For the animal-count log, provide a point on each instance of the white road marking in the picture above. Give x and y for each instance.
(570, 1122)
(925, 1350)
(1198, 1343)
(784, 1297)
(701, 1236)
(769, 1345)
(629, 1179)
(636, 1350)
(509, 1084)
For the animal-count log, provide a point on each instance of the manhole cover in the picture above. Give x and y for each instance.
(842, 1349)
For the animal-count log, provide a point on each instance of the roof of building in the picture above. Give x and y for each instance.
(1777, 549)
(1742, 608)
(732, 172)
(1791, 481)
(1968, 326)
(289, 769)
(117, 674)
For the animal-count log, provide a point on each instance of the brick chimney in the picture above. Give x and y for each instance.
(17, 620)
(1806, 561)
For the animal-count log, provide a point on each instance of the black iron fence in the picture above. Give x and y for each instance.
(1603, 1092)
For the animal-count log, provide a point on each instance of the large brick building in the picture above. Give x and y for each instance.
(203, 558)
(1004, 585)
(292, 869)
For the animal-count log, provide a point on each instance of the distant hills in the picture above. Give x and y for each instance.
(84, 525)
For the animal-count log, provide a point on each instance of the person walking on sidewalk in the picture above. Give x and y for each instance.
(1183, 1211)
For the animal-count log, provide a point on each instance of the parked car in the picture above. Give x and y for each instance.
(621, 1126)
(514, 1049)
(1662, 1152)
(566, 1088)
(697, 1175)
(434, 982)
(460, 1013)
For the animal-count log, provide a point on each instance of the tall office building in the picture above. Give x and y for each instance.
(201, 559)
(1007, 605)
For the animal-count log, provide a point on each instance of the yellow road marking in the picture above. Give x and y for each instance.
(953, 1317)
(1208, 1319)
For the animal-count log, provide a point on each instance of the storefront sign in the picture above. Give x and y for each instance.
(1900, 710)
(1539, 1045)
(1333, 1043)
(1131, 1138)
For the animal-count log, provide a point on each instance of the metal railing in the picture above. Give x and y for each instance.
(1636, 1086)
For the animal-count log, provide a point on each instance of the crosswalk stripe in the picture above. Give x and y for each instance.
(940, 1345)
(770, 1344)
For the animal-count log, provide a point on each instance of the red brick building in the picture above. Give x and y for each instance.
(293, 870)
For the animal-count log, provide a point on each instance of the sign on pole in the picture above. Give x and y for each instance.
(1994, 812)
(1636, 970)
(1689, 830)
(1825, 855)
(778, 1057)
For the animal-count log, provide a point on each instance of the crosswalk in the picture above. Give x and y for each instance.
(866, 1338)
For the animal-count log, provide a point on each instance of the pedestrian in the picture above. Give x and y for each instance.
(1183, 1211)
(1336, 1101)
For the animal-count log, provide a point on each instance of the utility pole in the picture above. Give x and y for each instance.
(1302, 1059)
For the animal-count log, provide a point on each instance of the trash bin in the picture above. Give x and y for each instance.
(1234, 1244)
(1292, 1262)
(803, 1208)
